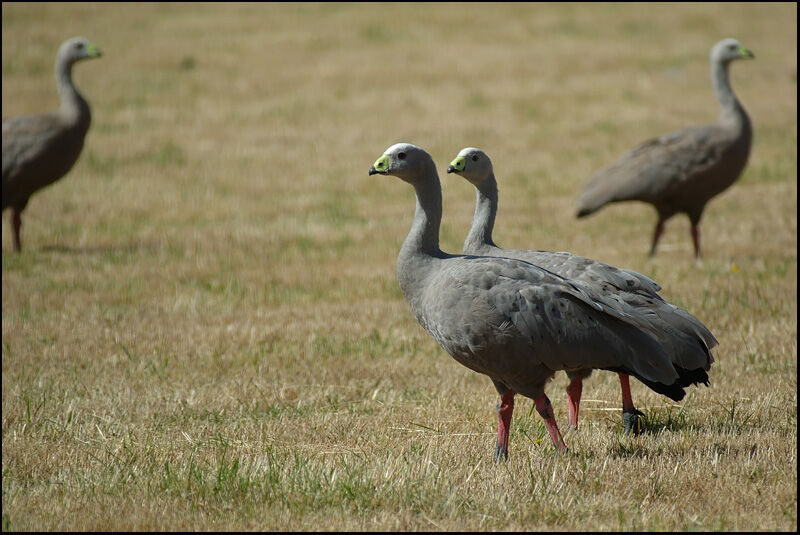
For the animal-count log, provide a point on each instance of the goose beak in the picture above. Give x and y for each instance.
(745, 53)
(92, 51)
(381, 166)
(457, 165)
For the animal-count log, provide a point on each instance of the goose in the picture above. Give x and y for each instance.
(40, 149)
(631, 292)
(515, 322)
(680, 172)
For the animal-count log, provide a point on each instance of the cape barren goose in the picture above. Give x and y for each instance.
(632, 293)
(514, 321)
(682, 171)
(40, 149)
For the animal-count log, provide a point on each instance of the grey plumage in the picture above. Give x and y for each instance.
(40, 149)
(679, 333)
(511, 320)
(680, 172)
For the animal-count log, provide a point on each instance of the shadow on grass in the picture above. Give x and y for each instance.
(659, 421)
(129, 248)
(654, 422)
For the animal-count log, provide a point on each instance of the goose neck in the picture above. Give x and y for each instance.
(731, 110)
(486, 198)
(73, 106)
(423, 238)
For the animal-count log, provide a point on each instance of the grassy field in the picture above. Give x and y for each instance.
(204, 329)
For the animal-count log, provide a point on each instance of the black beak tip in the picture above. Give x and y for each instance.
(450, 168)
(372, 171)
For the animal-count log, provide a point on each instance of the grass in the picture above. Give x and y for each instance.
(204, 329)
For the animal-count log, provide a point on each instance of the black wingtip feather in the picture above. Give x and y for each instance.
(675, 391)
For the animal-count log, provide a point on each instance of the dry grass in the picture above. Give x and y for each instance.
(204, 329)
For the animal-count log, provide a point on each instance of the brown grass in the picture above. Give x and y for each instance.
(204, 329)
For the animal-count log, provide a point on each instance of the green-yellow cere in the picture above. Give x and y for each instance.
(745, 52)
(382, 163)
(92, 51)
(459, 163)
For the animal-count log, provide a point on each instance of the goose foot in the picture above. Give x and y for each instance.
(633, 421)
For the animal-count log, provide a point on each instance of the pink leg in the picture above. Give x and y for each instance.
(574, 401)
(627, 400)
(630, 415)
(656, 236)
(16, 224)
(545, 410)
(696, 240)
(505, 407)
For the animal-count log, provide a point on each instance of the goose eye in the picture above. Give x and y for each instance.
(401, 156)
(475, 158)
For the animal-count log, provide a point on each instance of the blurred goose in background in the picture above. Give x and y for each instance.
(40, 149)
(682, 171)
(630, 292)
(516, 322)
